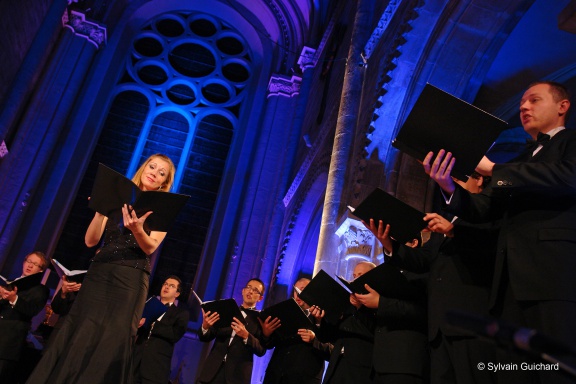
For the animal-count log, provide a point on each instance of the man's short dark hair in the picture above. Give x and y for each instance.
(174, 277)
(261, 282)
(559, 91)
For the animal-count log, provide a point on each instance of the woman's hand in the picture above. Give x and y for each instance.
(147, 242)
(95, 230)
(132, 221)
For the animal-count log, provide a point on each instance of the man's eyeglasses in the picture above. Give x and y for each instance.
(252, 289)
(33, 263)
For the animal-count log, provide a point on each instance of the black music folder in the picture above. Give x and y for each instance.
(76, 276)
(385, 279)
(326, 293)
(405, 221)
(440, 120)
(22, 283)
(228, 309)
(292, 317)
(153, 310)
(112, 190)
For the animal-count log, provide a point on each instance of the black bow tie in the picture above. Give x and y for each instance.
(542, 137)
(540, 140)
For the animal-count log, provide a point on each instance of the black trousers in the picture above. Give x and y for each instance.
(457, 359)
(553, 318)
(220, 377)
(397, 378)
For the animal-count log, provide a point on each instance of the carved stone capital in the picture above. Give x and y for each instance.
(355, 239)
(307, 58)
(283, 86)
(3, 149)
(77, 23)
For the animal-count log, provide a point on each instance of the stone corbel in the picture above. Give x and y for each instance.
(283, 86)
(77, 23)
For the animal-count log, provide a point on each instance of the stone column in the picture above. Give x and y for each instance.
(343, 139)
(265, 183)
(30, 177)
(307, 63)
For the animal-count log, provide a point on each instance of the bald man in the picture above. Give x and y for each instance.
(352, 340)
(400, 353)
(299, 358)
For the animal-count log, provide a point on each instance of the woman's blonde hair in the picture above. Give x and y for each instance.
(165, 187)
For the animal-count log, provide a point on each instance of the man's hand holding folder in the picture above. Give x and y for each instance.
(325, 292)
(210, 318)
(382, 233)
(439, 120)
(386, 280)
(285, 317)
(269, 325)
(370, 299)
(219, 313)
(21, 283)
(75, 276)
(405, 221)
(440, 169)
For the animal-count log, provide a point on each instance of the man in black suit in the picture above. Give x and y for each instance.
(155, 344)
(61, 304)
(299, 358)
(400, 354)
(535, 198)
(352, 340)
(63, 299)
(17, 308)
(231, 357)
(459, 258)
